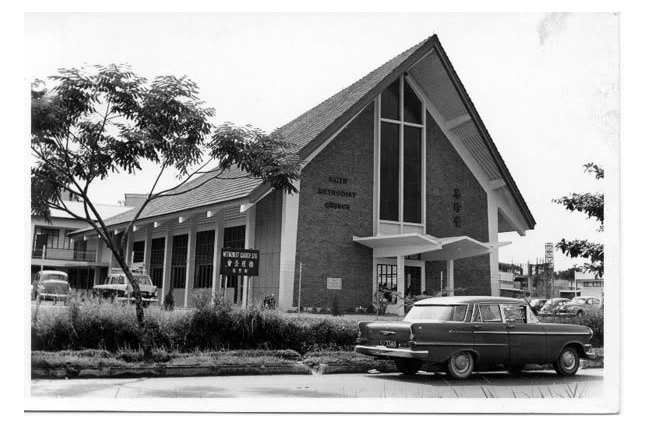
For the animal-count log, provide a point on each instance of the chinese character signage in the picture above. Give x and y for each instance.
(239, 262)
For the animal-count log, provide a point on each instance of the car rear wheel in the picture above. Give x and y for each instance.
(568, 362)
(461, 365)
(408, 366)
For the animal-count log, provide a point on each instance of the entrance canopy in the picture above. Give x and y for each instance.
(429, 248)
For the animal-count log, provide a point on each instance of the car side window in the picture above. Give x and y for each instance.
(488, 313)
(514, 313)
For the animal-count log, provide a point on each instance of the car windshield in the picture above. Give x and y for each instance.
(54, 277)
(142, 279)
(436, 313)
(578, 301)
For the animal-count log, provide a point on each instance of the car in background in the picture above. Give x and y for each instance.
(50, 285)
(551, 306)
(578, 306)
(465, 333)
(118, 287)
(536, 304)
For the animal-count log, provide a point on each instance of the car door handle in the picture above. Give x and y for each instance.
(510, 325)
(477, 326)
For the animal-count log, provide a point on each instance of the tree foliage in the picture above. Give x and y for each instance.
(593, 205)
(100, 120)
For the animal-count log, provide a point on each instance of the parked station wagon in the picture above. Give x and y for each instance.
(469, 332)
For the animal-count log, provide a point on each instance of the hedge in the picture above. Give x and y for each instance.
(113, 327)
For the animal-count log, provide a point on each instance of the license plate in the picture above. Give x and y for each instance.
(388, 343)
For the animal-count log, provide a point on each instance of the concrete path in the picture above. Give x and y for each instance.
(536, 384)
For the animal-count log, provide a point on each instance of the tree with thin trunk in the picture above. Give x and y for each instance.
(98, 121)
(593, 205)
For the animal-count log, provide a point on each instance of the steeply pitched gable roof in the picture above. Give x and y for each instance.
(311, 129)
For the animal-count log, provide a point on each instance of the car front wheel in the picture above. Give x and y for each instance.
(408, 366)
(461, 365)
(568, 362)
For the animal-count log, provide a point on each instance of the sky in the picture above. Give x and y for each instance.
(545, 85)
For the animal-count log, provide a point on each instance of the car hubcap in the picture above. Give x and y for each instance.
(568, 360)
(462, 362)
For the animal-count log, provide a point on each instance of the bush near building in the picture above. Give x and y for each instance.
(113, 327)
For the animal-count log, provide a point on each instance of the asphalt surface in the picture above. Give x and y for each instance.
(535, 384)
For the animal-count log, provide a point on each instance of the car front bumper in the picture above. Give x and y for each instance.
(381, 351)
(589, 351)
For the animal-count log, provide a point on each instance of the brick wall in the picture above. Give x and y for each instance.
(447, 171)
(327, 222)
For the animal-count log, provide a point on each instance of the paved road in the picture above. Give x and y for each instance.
(537, 384)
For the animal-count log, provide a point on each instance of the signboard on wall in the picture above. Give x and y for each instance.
(239, 262)
(334, 283)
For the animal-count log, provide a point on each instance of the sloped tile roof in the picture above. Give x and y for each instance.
(233, 184)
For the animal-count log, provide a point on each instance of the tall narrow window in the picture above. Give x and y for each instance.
(204, 252)
(412, 175)
(412, 106)
(138, 250)
(178, 261)
(390, 102)
(389, 171)
(401, 151)
(157, 251)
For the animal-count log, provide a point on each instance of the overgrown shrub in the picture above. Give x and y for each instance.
(95, 324)
(594, 319)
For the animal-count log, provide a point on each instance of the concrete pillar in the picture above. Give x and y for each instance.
(249, 243)
(450, 277)
(167, 255)
(493, 240)
(128, 248)
(190, 260)
(400, 285)
(219, 242)
(288, 237)
(147, 250)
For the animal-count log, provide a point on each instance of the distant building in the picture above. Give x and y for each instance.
(512, 282)
(85, 261)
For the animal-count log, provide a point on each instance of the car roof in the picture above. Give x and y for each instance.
(52, 272)
(460, 300)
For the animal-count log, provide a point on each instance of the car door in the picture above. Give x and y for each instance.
(526, 337)
(490, 335)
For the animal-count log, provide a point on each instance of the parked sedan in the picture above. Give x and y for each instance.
(551, 306)
(50, 284)
(469, 332)
(578, 306)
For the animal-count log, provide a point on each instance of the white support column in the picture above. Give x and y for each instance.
(400, 284)
(219, 242)
(190, 261)
(493, 239)
(167, 256)
(288, 236)
(450, 277)
(147, 249)
(249, 243)
(128, 248)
